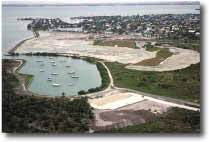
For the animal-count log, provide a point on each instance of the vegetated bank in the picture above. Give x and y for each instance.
(28, 78)
(162, 54)
(185, 44)
(116, 43)
(180, 84)
(22, 113)
(102, 70)
(176, 120)
(103, 73)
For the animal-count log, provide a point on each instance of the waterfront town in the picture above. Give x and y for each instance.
(186, 26)
(104, 74)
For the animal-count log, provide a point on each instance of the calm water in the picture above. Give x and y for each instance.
(14, 31)
(89, 76)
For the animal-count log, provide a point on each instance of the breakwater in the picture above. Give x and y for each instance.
(12, 51)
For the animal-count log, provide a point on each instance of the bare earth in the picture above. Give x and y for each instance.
(79, 43)
(116, 108)
(181, 58)
(113, 107)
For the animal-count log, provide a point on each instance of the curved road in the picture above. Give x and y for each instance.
(111, 87)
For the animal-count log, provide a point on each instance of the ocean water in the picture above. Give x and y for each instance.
(14, 31)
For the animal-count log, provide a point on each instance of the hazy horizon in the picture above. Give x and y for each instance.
(31, 2)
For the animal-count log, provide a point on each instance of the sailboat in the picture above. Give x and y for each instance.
(54, 73)
(71, 72)
(55, 84)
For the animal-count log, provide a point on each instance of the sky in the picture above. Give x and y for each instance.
(85, 1)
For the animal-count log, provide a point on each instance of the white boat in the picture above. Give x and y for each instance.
(50, 57)
(54, 73)
(53, 64)
(55, 84)
(52, 61)
(75, 76)
(72, 72)
(41, 70)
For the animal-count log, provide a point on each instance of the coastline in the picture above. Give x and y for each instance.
(101, 88)
(12, 50)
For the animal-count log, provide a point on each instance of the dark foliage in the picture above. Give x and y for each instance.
(32, 114)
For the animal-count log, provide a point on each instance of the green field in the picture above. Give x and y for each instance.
(181, 84)
(113, 43)
(162, 54)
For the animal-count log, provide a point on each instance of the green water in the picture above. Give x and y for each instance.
(89, 76)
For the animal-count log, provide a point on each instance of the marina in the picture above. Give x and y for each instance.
(51, 80)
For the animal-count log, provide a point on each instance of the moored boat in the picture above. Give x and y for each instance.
(75, 76)
(54, 73)
(72, 72)
(55, 84)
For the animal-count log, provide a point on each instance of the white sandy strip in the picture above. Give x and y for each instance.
(120, 102)
(134, 98)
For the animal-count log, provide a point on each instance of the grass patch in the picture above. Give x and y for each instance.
(176, 121)
(180, 84)
(162, 55)
(28, 79)
(185, 44)
(153, 49)
(113, 43)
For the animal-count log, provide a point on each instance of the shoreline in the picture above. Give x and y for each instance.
(66, 55)
(87, 59)
(54, 43)
(12, 50)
